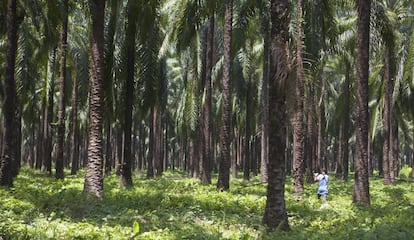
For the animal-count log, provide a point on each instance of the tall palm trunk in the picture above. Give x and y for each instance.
(206, 120)
(9, 107)
(320, 151)
(345, 160)
(394, 145)
(265, 100)
(39, 138)
(311, 161)
(48, 147)
(361, 185)
(386, 156)
(275, 215)
(298, 134)
(339, 155)
(223, 182)
(94, 171)
(109, 143)
(151, 147)
(17, 142)
(158, 160)
(75, 130)
(108, 83)
(247, 137)
(61, 113)
(126, 179)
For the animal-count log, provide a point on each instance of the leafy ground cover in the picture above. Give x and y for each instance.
(177, 207)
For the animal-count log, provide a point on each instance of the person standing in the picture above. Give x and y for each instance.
(322, 178)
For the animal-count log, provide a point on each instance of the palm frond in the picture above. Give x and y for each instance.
(186, 24)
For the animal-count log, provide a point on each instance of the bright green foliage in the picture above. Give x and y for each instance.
(405, 172)
(177, 207)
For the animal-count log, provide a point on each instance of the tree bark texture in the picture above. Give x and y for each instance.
(275, 215)
(132, 8)
(206, 120)
(108, 83)
(93, 185)
(361, 185)
(62, 79)
(265, 99)
(298, 125)
(247, 138)
(10, 99)
(223, 182)
(386, 121)
(75, 131)
(151, 147)
(48, 142)
(346, 120)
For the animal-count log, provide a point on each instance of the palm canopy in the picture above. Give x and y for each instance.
(170, 51)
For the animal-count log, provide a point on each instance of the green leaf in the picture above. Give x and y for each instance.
(136, 227)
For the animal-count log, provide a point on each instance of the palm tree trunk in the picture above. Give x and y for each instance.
(311, 163)
(339, 155)
(236, 152)
(108, 83)
(75, 131)
(394, 145)
(47, 158)
(9, 106)
(361, 185)
(158, 160)
(298, 125)
(151, 150)
(61, 113)
(265, 100)
(118, 153)
(206, 120)
(142, 137)
(126, 178)
(387, 166)
(320, 151)
(109, 157)
(16, 164)
(39, 139)
(247, 137)
(94, 172)
(275, 215)
(223, 182)
(346, 123)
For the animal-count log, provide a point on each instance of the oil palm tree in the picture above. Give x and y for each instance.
(345, 52)
(275, 215)
(62, 80)
(150, 80)
(361, 184)
(298, 125)
(131, 28)
(319, 29)
(79, 56)
(223, 182)
(389, 16)
(94, 172)
(206, 119)
(7, 157)
(109, 80)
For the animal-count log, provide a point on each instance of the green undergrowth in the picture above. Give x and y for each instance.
(177, 207)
